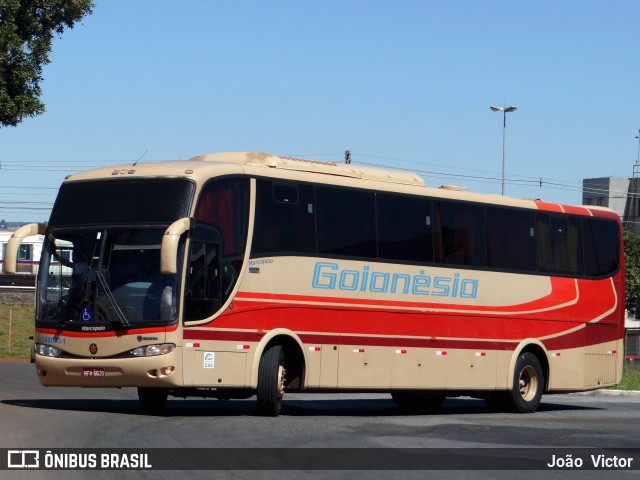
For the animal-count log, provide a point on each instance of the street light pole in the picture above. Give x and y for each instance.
(504, 110)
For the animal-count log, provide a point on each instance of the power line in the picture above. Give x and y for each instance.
(484, 176)
(518, 180)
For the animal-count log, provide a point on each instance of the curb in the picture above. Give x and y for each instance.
(611, 393)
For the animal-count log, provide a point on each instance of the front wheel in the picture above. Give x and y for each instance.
(528, 383)
(271, 376)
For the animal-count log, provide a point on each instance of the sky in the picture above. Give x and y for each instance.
(402, 84)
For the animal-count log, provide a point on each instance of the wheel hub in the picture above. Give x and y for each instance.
(528, 383)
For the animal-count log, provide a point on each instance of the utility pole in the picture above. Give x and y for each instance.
(633, 202)
(504, 111)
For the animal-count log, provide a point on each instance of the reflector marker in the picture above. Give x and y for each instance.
(192, 345)
(401, 352)
(243, 347)
(441, 353)
(358, 350)
(481, 354)
(314, 349)
(555, 354)
(612, 352)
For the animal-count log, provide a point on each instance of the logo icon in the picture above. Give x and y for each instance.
(23, 459)
(87, 314)
(93, 349)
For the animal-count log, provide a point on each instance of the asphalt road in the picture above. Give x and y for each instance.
(35, 417)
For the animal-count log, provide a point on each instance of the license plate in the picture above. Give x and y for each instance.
(93, 372)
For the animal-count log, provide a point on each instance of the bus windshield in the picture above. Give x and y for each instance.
(135, 201)
(105, 275)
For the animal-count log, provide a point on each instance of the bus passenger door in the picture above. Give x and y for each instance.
(202, 297)
(202, 285)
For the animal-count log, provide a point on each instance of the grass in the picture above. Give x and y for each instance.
(16, 326)
(18, 344)
(630, 377)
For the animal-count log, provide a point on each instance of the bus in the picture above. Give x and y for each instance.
(28, 254)
(235, 275)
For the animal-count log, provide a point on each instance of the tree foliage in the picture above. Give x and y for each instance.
(632, 266)
(27, 28)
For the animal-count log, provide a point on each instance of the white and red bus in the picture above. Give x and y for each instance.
(28, 255)
(242, 274)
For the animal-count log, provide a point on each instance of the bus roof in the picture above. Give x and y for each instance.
(328, 168)
(263, 164)
(247, 162)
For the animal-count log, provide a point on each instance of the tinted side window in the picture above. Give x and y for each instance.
(460, 235)
(202, 286)
(511, 239)
(559, 244)
(224, 204)
(284, 220)
(404, 228)
(346, 222)
(601, 246)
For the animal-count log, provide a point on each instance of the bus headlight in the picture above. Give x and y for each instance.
(153, 350)
(47, 350)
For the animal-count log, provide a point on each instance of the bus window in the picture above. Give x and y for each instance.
(404, 228)
(559, 246)
(224, 204)
(601, 246)
(217, 246)
(346, 222)
(284, 219)
(460, 236)
(202, 289)
(511, 239)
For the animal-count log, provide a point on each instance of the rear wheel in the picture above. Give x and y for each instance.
(528, 383)
(271, 377)
(152, 399)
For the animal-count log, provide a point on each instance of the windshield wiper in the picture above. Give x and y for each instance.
(114, 303)
(103, 283)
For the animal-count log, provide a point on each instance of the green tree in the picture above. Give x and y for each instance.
(632, 265)
(27, 28)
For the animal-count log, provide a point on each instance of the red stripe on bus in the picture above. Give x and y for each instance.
(569, 340)
(112, 333)
(563, 292)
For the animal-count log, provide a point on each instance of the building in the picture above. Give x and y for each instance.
(620, 194)
(608, 192)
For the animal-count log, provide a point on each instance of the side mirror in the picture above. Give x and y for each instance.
(169, 249)
(13, 245)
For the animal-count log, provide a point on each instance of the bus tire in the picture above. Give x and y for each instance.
(152, 399)
(271, 377)
(417, 401)
(528, 383)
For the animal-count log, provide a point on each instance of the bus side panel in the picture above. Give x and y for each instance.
(364, 366)
(586, 368)
(474, 369)
(219, 369)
